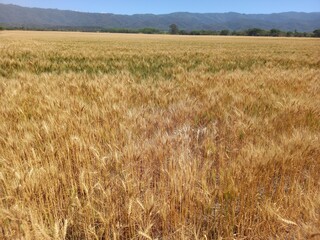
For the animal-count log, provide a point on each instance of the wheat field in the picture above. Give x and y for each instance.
(110, 136)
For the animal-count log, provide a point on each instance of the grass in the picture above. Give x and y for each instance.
(108, 136)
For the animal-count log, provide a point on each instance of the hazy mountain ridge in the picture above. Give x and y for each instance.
(16, 16)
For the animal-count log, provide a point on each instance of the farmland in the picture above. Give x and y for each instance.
(110, 136)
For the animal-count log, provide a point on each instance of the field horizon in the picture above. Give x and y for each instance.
(132, 136)
(40, 18)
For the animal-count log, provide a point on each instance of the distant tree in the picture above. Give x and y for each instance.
(195, 32)
(275, 32)
(239, 33)
(174, 29)
(234, 33)
(149, 31)
(256, 32)
(225, 32)
(289, 34)
(316, 33)
(183, 32)
(1, 28)
(305, 34)
(297, 34)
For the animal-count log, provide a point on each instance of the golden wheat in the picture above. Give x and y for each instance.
(109, 136)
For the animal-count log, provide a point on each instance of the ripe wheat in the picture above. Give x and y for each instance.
(106, 136)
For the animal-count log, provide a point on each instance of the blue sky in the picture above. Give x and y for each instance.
(168, 6)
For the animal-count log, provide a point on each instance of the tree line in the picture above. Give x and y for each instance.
(174, 29)
(249, 32)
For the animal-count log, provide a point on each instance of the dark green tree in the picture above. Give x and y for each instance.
(225, 32)
(183, 32)
(149, 31)
(289, 34)
(316, 33)
(275, 32)
(297, 34)
(235, 33)
(255, 32)
(174, 29)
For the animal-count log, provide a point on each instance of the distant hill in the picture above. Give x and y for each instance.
(16, 16)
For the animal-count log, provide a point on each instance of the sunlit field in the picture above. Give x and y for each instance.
(109, 136)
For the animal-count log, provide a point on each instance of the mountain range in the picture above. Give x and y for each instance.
(17, 16)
